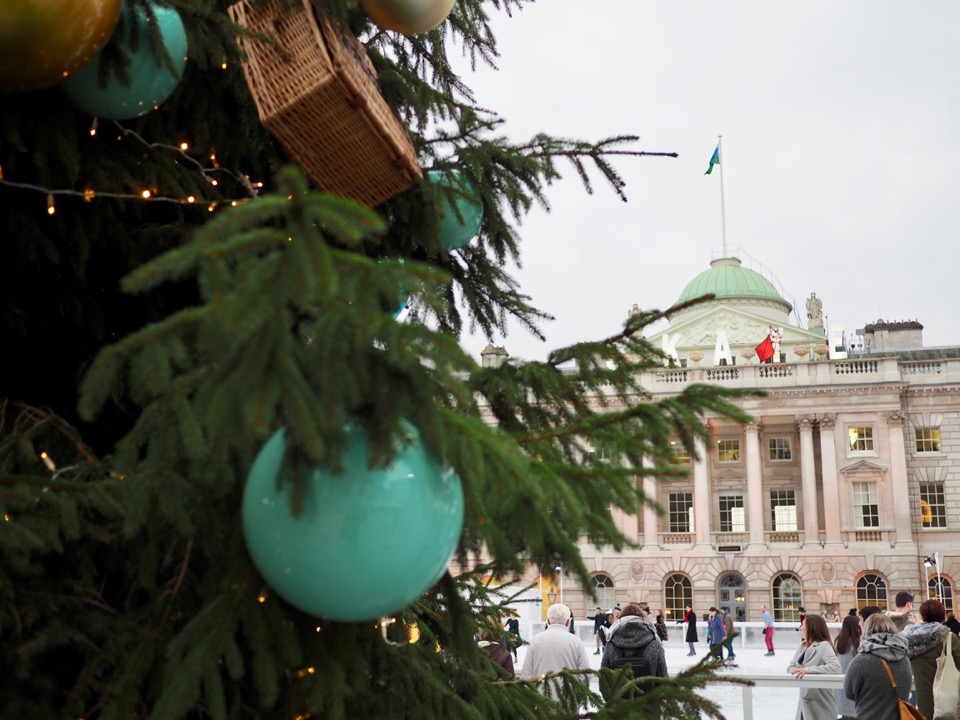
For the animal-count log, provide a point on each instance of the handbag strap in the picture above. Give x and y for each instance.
(947, 646)
(889, 674)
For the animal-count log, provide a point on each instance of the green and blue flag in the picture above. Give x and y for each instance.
(714, 160)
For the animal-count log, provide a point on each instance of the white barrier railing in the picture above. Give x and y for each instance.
(784, 680)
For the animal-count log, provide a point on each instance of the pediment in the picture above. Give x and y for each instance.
(730, 475)
(743, 329)
(863, 467)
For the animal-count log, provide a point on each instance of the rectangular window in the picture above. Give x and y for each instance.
(780, 449)
(933, 507)
(861, 438)
(732, 517)
(928, 439)
(866, 511)
(680, 506)
(680, 453)
(602, 454)
(728, 451)
(783, 510)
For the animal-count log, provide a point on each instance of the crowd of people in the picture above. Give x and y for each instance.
(881, 655)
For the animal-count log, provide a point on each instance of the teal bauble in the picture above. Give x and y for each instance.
(368, 541)
(151, 82)
(456, 231)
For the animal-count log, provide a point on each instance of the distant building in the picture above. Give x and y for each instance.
(847, 480)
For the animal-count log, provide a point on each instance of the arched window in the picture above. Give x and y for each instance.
(871, 590)
(606, 595)
(677, 594)
(787, 598)
(940, 587)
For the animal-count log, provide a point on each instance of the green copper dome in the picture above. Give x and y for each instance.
(727, 278)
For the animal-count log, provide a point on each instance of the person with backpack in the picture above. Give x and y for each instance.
(632, 642)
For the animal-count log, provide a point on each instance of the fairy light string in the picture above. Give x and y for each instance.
(251, 188)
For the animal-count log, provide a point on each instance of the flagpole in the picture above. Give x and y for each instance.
(723, 215)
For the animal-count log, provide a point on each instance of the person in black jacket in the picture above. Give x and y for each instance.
(633, 641)
(690, 618)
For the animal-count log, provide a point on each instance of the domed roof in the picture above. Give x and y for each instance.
(727, 278)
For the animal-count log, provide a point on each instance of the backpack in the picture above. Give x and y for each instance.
(632, 659)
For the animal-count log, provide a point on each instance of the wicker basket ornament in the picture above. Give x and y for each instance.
(316, 92)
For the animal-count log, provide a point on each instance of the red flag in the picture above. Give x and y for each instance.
(765, 349)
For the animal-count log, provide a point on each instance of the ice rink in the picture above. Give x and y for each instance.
(768, 703)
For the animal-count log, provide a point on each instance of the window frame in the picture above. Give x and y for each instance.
(681, 455)
(860, 517)
(670, 597)
(928, 445)
(735, 495)
(938, 511)
(675, 512)
(945, 585)
(878, 596)
(786, 608)
(773, 506)
(723, 449)
(865, 436)
(779, 451)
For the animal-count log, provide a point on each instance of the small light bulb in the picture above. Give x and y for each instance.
(51, 466)
(191, 199)
(145, 194)
(184, 146)
(223, 66)
(93, 127)
(50, 208)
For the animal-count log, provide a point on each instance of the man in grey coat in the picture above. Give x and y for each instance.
(555, 649)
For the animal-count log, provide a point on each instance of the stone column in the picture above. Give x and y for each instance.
(754, 484)
(701, 493)
(831, 486)
(651, 535)
(898, 478)
(808, 479)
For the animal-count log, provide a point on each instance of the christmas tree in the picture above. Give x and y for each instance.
(177, 290)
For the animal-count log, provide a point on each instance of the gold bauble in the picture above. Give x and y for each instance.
(408, 16)
(43, 41)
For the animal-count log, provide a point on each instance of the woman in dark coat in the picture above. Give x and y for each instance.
(633, 640)
(690, 618)
(866, 681)
(924, 645)
(499, 654)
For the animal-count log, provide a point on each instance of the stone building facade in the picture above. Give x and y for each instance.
(845, 483)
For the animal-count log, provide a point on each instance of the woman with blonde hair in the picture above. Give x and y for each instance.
(866, 681)
(816, 655)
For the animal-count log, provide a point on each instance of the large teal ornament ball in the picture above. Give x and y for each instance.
(456, 231)
(151, 81)
(367, 543)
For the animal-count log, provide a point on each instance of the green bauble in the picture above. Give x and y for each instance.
(367, 543)
(456, 232)
(151, 82)
(44, 41)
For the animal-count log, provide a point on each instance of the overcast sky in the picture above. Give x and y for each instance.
(841, 155)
